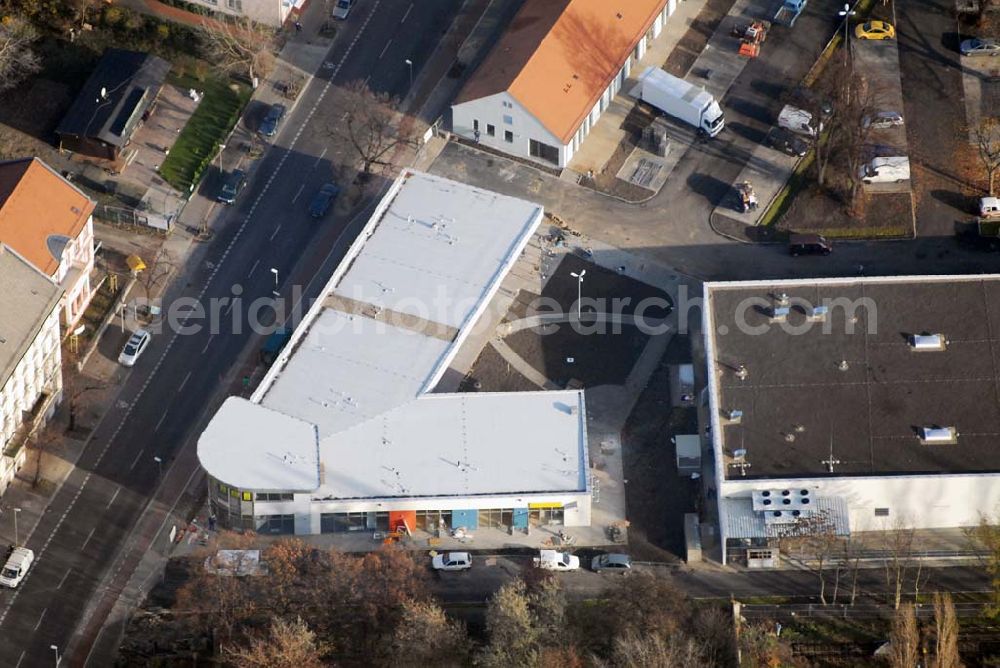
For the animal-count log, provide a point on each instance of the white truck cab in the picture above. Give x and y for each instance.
(17, 566)
(885, 170)
(551, 560)
(989, 207)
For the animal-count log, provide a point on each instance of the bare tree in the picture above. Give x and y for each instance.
(158, 270)
(987, 141)
(899, 558)
(987, 537)
(43, 442)
(511, 627)
(75, 386)
(425, 636)
(904, 642)
(945, 633)
(287, 644)
(17, 60)
(240, 46)
(371, 125)
(816, 540)
(654, 651)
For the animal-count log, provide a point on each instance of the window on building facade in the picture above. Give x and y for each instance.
(275, 496)
(881, 512)
(491, 130)
(508, 136)
(235, 4)
(544, 152)
(276, 524)
(475, 124)
(508, 120)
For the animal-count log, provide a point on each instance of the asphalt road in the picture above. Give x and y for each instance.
(170, 390)
(484, 579)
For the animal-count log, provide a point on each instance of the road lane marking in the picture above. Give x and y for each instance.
(68, 571)
(275, 233)
(298, 192)
(113, 497)
(89, 536)
(385, 48)
(40, 618)
(253, 268)
(136, 460)
(9, 604)
(316, 164)
(162, 418)
(184, 382)
(203, 350)
(403, 20)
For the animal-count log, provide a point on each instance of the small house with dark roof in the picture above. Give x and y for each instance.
(117, 97)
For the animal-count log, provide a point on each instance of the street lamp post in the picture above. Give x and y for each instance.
(847, 13)
(16, 511)
(409, 64)
(159, 464)
(579, 291)
(222, 147)
(58, 658)
(275, 272)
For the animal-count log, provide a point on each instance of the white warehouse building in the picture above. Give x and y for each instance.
(852, 405)
(552, 74)
(345, 432)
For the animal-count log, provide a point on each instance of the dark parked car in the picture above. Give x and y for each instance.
(323, 199)
(232, 186)
(788, 142)
(269, 126)
(808, 244)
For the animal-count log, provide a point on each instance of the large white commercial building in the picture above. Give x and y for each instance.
(345, 433)
(850, 405)
(30, 359)
(552, 74)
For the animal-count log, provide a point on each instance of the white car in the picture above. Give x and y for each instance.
(135, 346)
(342, 9)
(551, 560)
(883, 120)
(17, 566)
(452, 561)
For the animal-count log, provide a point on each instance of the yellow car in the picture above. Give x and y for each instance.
(874, 30)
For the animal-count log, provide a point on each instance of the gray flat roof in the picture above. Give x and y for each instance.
(862, 396)
(28, 297)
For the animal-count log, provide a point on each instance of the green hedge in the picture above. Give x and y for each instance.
(198, 143)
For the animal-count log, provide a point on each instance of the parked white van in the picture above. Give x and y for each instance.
(798, 121)
(989, 207)
(17, 566)
(886, 170)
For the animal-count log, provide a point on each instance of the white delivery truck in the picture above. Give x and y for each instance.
(551, 560)
(885, 170)
(682, 100)
(798, 121)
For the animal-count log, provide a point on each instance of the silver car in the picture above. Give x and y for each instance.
(612, 563)
(342, 9)
(135, 346)
(980, 47)
(883, 120)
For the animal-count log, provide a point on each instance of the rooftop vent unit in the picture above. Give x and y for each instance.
(782, 299)
(818, 313)
(779, 313)
(928, 342)
(733, 416)
(742, 373)
(781, 499)
(938, 435)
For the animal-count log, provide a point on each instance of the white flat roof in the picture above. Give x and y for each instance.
(382, 332)
(462, 445)
(350, 368)
(251, 447)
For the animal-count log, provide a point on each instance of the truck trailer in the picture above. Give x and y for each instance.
(682, 100)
